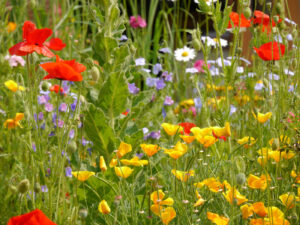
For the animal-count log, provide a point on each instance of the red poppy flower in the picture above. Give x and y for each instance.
(264, 20)
(36, 217)
(33, 41)
(238, 20)
(55, 44)
(187, 127)
(56, 88)
(64, 70)
(125, 113)
(270, 51)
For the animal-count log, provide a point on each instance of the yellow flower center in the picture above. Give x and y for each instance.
(185, 54)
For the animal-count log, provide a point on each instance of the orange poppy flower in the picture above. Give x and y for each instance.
(238, 20)
(217, 219)
(35, 217)
(64, 70)
(270, 51)
(33, 41)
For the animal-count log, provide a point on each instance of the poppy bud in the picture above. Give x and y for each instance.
(82, 99)
(239, 50)
(240, 179)
(278, 8)
(269, 6)
(247, 12)
(72, 146)
(33, 3)
(103, 207)
(246, 3)
(95, 73)
(83, 213)
(45, 86)
(240, 164)
(275, 144)
(197, 44)
(261, 2)
(37, 188)
(103, 166)
(13, 189)
(276, 19)
(23, 186)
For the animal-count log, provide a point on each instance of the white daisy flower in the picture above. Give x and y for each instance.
(213, 41)
(184, 54)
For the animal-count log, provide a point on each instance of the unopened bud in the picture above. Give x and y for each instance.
(45, 86)
(269, 6)
(247, 12)
(197, 44)
(83, 213)
(37, 188)
(23, 186)
(72, 146)
(95, 73)
(279, 8)
(275, 144)
(240, 179)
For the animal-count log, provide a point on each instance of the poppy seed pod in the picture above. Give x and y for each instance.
(240, 179)
(37, 188)
(23, 186)
(83, 213)
(72, 146)
(95, 73)
(247, 12)
(45, 86)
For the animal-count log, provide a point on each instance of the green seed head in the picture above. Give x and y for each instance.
(23, 186)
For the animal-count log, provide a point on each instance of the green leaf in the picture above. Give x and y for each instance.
(103, 48)
(99, 132)
(113, 96)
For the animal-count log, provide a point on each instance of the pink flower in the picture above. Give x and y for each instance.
(292, 114)
(200, 64)
(138, 21)
(15, 60)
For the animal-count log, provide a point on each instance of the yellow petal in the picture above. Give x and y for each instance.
(103, 207)
(103, 166)
(123, 149)
(82, 175)
(171, 129)
(123, 171)
(149, 149)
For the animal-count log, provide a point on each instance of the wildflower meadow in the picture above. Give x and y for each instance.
(131, 112)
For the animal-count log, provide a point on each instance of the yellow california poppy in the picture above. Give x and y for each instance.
(123, 171)
(13, 86)
(217, 219)
(13, 123)
(171, 129)
(182, 175)
(103, 207)
(261, 182)
(135, 161)
(150, 149)
(103, 166)
(123, 149)
(262, 118)
(82, 175)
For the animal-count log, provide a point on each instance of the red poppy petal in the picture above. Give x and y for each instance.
(28, 27)
(36, 217)
(39, 36)
(55, 44)
(78, 67)
(61, 71)
(43, 50)
(15, 50)
(270, 51)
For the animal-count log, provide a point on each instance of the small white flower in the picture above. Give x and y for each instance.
(208, 2)
(273, 76)
(240, 69)
(213, 41)
(184, 54)
(140, 62)
(290, 21)
(214, 71)
(288, 72)
(191, 70)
